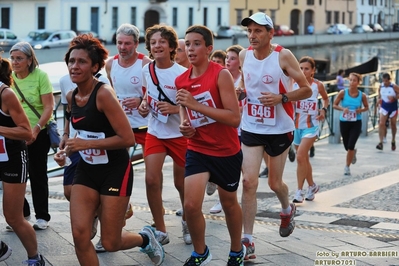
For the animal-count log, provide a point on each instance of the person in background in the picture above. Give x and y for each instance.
(310, 28)
(219, 57)
(352, 102)
(163, 137)
(307, 117)
(267, 120)
(181, 56)
(340, 82)
(388, 101)
(15, 130)
(36, 87)
(104, 175)
(208, 104)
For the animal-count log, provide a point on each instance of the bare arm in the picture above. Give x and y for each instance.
(365, 104)
(108, 65)
(324, 96)
(12, 106)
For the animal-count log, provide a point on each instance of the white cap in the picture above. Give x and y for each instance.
(259, 18)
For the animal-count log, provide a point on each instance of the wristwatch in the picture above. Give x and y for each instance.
(284, 98)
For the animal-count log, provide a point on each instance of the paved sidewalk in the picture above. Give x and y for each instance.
(350, 221)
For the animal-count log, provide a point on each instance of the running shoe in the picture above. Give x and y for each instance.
(311, 152)
(217, 208)
(347, 171)
(211, 188)
(5, 251)
(264, 173)
(186, 233)
(354, 159)
(311, 191)
(237, 259)
(154, 249)
(384, 140)
(99, 247)
(291, 154)
(287, 222)
(162, 237)
(197, 260)
(179, 212)
(298, 196)
(35, 262)
(250, 249)
(380, 146)
(393, 145)
(40, 224)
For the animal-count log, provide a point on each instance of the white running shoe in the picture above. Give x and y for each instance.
(311, 191)
(354, 159)
(217, 208)
(186, 233)
(40, 224)
(347, 171)
(298, 198)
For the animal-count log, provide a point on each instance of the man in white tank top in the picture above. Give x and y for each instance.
(124, 71)
(267, 122)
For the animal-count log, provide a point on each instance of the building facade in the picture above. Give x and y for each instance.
(104, 16)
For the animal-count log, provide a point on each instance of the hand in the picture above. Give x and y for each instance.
(184, 98)
(321, 115)
(144, 108)
(186, 129)
(269, 99)
(166, 108)
(131, 103)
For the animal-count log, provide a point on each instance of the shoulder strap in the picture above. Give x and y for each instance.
(161, 96)
(23, 98)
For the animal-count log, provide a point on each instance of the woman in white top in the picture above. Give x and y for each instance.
(307, 117)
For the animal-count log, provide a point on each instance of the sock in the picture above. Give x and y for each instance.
(146, 240)
(36, 257)
(201, 255)
(287, 210)
(249, 238)
(235, 254)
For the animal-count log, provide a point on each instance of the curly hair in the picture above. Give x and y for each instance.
(96, 51)
(5, 72)
(168, 33)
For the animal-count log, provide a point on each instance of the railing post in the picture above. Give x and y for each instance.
(365, 124)
(366, 84)
(335, 137)
(397, 76)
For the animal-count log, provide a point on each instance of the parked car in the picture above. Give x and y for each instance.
(283, 30)
(93, 33)
(338, 29)
(376, 27)
(7, 39)
(362, 29)
(44, 39)
(230, 32)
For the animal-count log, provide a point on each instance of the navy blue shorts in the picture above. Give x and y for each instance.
(223, 171)
(275, 144)
(69, 171)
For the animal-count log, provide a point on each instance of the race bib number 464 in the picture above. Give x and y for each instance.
(260, 114)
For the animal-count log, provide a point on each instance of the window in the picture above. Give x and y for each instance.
(250, 12)
(114, 17)
(74, 18)
(219, 16)
(133, 15)
(343, 17)
(350, 18)
(310, 2)
(41, 15)
(205, 23)
(328, 17)
(5, 17)
(336, 16)
(239, 16)
(174, 17)
(295, 2)
(273, 14)
(362, 18)
(370, 18)
(190, 16)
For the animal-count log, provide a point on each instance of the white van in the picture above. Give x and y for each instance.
(43, 39)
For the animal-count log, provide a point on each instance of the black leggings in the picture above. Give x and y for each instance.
(350, 132)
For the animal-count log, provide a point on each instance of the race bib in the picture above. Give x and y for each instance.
(260, 114)
(155, 111)
(308, 106)
(93, 156)
(3, 150)
(128, 111)
(197, 119)
(350, 116)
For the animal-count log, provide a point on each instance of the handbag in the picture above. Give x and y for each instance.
(51, 126)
